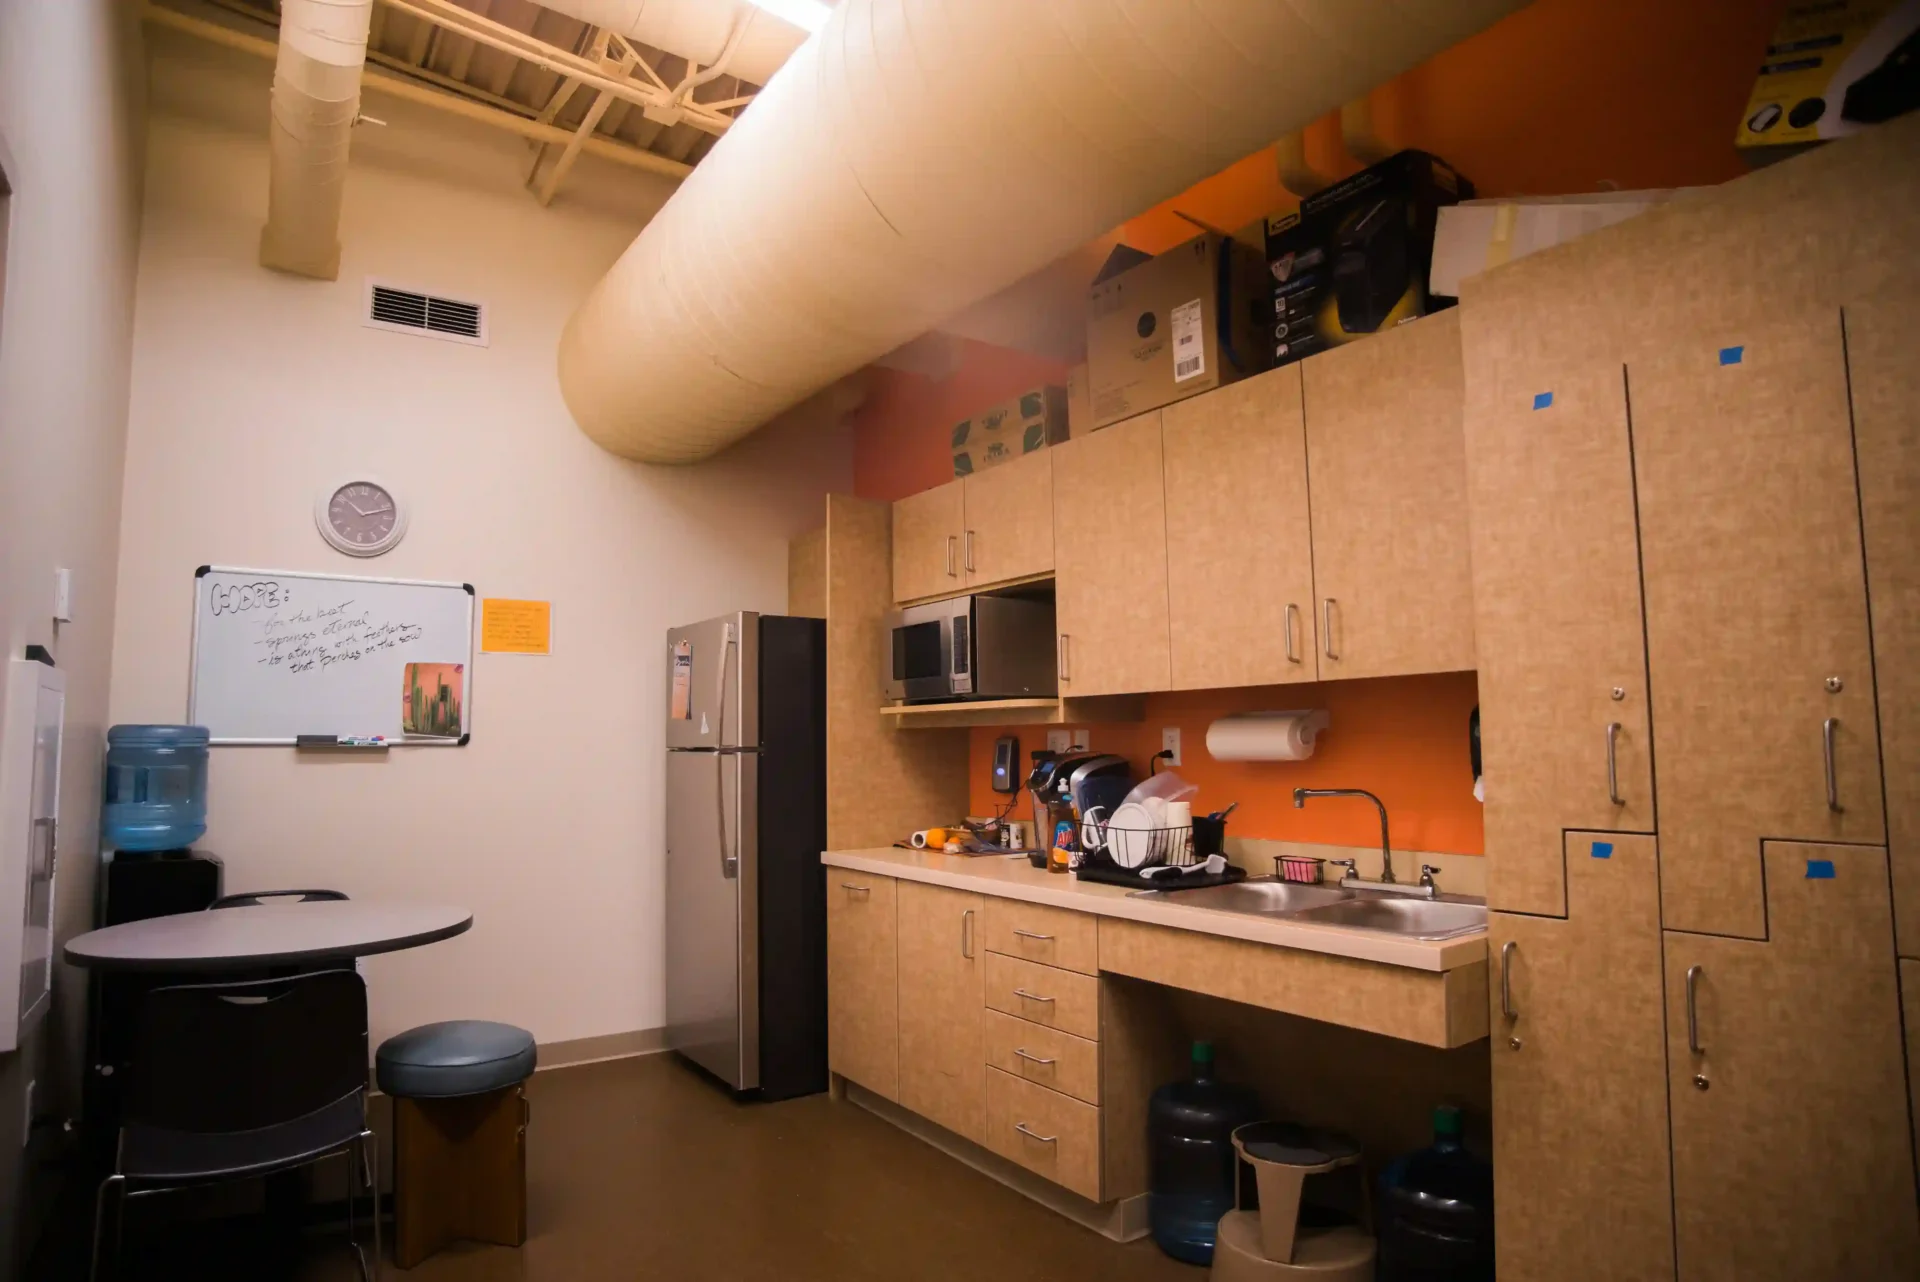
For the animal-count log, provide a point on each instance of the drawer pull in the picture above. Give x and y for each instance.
(1035, 1135)
(1029, 934)
(1833, 782)
(1032, 997)
(858, 890)
(1613, 764)
(1031, 1059)
(1506, 979)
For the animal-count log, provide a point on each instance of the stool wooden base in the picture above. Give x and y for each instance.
(459, 1171)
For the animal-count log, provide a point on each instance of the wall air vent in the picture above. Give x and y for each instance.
(413, 312)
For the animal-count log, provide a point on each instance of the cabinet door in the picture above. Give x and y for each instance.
(1885, 381)
(1386, 467)
(1239, 546)
(1557, 616)
(1009, 521)
(927, 534)
(1791, 1154)
(1110, 559)
(1757, 650)
(863, 970)
(943, 1051)
(1581, 1186)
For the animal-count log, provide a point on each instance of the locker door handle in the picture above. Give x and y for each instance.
(1693, 1011)
(1833, 779)
(950, 573)
(1613, 764)
(1293, 612)
(1506, 979)
(969, 552)
(1326, 628)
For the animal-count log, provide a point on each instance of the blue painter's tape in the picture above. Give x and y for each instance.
(1542, 399)
(1603, 850)
(1732, 355)
(1819, 870)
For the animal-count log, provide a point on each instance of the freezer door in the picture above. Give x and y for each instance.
(708, 703)
(712, 918)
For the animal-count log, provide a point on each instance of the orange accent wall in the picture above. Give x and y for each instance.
(1402, 738)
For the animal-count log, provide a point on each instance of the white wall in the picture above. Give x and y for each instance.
(252, 390)
(68, 120)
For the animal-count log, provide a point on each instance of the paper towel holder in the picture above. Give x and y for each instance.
(1296, 733)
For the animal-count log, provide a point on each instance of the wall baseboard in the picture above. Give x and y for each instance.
(592, 1050)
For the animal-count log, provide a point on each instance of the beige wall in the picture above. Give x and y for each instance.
(252, 390)
(68, 122)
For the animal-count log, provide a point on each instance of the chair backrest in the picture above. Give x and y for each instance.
(237, 1056)
(253, 898)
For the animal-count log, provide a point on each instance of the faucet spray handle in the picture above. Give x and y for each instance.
(1352, 869)
(1427, 873)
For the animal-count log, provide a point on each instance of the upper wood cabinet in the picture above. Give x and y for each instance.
(928, 529)
(1791, 1154)
(1558, 623)
(1885, 380)
(942, 1008)
(1386, 464)
(1573, 1132)
(1110, 558)
(1239, 542)
(863, 980)
(1758, 656)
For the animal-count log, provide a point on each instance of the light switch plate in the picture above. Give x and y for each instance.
(1170, 742)
(1059, 740)
(63, 596)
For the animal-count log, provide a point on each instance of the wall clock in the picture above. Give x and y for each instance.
(361, 516)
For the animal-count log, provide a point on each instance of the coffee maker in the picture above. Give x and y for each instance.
(1070, 787)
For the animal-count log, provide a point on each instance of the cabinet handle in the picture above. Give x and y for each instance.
(950, 543)
(1326, 628)
(1034, 1135)
(966, 934)
(1028, 934)
(1032, 997)
(1031, 1059)
(1693, 1012)
(858, 890)
(1065, 675)
(1293, 612)
(969, 551)
(1613, 765)
(1506, 979)
(1833, 780)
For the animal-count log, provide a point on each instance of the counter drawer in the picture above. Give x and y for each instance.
(1044, 1056)
(1062, 999)
(1036, 933)
(1051, 1135)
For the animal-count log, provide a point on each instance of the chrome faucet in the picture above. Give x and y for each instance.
(1300, 796)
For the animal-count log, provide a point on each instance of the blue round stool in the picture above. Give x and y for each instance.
(459, 1133)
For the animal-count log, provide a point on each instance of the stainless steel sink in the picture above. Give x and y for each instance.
(1265, 898)
(1414, 918)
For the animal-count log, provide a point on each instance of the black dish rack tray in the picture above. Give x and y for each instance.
(1109, 873)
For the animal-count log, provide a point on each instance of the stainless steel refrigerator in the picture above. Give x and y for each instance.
(746, 822)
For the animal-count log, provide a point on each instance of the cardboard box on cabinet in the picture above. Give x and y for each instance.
(1354, 260)
(1184, 322)
(1030, 421)
(1478, 235)
(1834, 67)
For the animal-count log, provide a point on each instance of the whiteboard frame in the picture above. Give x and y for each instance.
(193, 652)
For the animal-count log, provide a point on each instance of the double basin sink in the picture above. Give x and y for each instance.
(1358, 908)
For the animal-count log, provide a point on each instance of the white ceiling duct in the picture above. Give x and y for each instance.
(697, 30)
(918, 155)
(316, 96)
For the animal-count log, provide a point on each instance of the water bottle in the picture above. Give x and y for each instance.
(155, 793)
(1436, 1211)
(1191, 1159)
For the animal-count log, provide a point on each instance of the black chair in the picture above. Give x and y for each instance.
(253, 898)
(241, 1080)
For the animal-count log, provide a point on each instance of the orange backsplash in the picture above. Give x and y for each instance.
(1402, 738)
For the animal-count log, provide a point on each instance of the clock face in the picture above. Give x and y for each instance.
(361, 518)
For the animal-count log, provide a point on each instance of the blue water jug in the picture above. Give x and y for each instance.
(155, 795)
(1191, 1159)
(1436, 1211)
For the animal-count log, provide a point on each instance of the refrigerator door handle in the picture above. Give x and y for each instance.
(729, 859)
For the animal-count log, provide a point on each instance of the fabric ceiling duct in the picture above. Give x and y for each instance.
(697, 30)
(919, 155)
(316, 97)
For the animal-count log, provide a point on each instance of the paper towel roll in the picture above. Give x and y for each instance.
(1266, 736)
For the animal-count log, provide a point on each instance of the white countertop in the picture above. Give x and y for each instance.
(1012, 877)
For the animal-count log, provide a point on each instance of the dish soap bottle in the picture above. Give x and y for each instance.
(1436, 1211)
(1190, 1128)
(1060, 856)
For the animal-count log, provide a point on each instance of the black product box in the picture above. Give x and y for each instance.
(1354, 260)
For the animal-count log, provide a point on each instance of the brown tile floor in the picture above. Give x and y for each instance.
(640, 1168)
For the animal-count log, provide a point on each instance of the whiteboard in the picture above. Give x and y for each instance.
(278, 654)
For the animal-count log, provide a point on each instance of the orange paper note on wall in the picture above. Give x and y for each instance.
(515, 627)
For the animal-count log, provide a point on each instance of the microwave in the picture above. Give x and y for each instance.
(972, 647)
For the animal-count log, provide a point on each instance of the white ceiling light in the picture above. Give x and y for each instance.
(808, 15)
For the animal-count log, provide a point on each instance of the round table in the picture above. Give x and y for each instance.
(266, 935)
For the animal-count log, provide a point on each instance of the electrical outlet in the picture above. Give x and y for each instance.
(1059, 740)
(1170, 743)
(1083, 740)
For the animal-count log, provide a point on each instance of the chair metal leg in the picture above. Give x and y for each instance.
(373, 1182)
(99, 1215)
